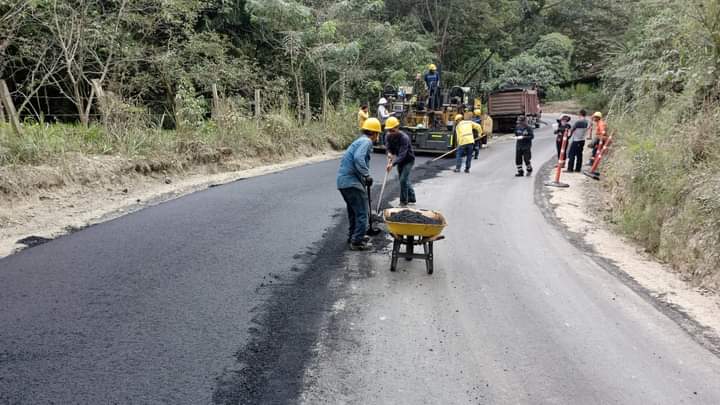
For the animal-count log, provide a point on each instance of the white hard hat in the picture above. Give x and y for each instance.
(382, 101)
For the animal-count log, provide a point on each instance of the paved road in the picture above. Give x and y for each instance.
(211, 299)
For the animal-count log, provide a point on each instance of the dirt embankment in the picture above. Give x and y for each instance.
(38, 203)
(584, 210)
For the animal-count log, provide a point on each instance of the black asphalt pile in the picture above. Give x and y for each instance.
(413, 217)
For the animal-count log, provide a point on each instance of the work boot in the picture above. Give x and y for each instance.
(457, 170)
(365, 239)
(520, 173)
(467, 170)
(529, 172)
(362, 245)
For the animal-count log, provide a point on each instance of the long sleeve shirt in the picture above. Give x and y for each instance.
(525, 136)
(354, 165)
(383, 114)
(432, 80)
(362, 116)
(400, 146)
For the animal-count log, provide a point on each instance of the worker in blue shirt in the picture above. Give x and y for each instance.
(432, 81)
(353, 180)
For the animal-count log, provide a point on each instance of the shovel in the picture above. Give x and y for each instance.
(372, 230)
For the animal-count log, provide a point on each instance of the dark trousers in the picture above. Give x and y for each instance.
(357, 209)
(407, 192)
(467, 151)
(576, 156)
(558, 147)
(478, 146)
(523, 155)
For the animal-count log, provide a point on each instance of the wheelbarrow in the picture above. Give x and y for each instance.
(411, 235)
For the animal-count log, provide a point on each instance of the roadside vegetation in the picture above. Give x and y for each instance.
(664, 173)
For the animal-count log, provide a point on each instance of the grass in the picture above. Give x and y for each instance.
(278, 135)
(664, 178)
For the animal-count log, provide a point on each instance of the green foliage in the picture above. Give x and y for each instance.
(665, 106)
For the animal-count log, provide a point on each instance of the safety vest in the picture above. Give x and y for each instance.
(464, 132)
(362, 116)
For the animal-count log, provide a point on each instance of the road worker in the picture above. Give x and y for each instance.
(353, 180)
(487, 124)
(362, 115)
(432, 81)
(523, 147)
(577, 142)
(465, 141)
(382, 112)
(477, 118)
(599, 130)
(563, 126)
(402, 156)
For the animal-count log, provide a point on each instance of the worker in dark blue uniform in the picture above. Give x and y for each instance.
(432, 81)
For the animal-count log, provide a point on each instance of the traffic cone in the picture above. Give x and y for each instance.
(602, 150)
(560, 164)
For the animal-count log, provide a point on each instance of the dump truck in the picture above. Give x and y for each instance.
(504, 106)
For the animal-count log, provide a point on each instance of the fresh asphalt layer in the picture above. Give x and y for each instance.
(246, 293)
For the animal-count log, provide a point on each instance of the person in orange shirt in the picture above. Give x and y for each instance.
(599, 131)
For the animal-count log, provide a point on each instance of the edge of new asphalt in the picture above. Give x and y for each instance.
(270, 366)
(703, 335)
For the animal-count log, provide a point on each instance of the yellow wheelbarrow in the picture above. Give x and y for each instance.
(412, 235)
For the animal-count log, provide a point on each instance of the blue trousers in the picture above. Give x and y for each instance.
(467, 151)
(357, 209)
(407, 192)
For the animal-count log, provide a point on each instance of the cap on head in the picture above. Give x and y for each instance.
(565, 118)
(372, 125)
(458, 117)
(597, 114)
(382, 101)
(392, 123)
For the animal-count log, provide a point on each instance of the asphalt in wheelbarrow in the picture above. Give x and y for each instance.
(413, 217)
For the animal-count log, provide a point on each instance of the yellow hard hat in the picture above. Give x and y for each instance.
(391, 123)
(459, 117)
(477, 112)
(372, 125)
(432, 66)
(597, 115)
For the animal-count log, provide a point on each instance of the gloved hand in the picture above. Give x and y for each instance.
(368, 181)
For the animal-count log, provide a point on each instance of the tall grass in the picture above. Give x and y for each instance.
(277, 135)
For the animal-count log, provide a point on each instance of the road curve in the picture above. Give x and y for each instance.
(246, 294)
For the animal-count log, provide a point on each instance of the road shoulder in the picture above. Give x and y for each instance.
(580, 216)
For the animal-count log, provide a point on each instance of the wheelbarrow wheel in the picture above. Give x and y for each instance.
(394, 257)
(410, 246)
(429, 257)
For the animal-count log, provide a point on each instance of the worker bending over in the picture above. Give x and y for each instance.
(353, 180)
(523, 147)
(402, 156)
(465, 141)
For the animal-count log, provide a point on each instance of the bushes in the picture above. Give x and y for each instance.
(664, 174)
(277, 135)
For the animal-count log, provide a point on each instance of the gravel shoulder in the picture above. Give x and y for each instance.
(582, 215)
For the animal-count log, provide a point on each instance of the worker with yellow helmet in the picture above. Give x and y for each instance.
(465, 140)
(353, 181)
(599, 131)
(477, 118)
(432, 81)
(402, 156)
